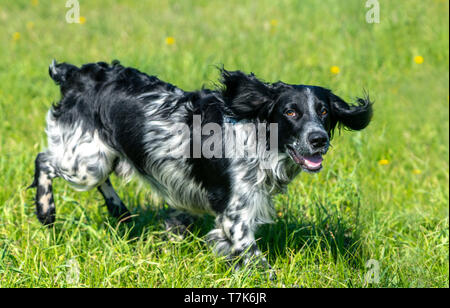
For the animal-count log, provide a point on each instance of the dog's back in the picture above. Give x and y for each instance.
(72, 78)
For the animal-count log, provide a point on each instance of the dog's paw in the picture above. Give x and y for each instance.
(272, 275)
(177, 225)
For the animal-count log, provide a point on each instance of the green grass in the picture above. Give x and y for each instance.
(329, 225)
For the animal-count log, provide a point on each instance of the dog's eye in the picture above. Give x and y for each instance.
(324, 112)
(291, 113)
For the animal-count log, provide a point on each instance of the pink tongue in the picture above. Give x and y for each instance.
(313, 161)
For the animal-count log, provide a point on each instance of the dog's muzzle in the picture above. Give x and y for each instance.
(310, 160)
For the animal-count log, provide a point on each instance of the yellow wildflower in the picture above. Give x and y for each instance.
(34, 2)
(16, 36)
(274, 22)
(30, 25)
(82, 20)
(383, 162)
(417, 171)
(170, 40)
(418, 59)
(335, 70)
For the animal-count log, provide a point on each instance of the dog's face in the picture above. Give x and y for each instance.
(304, 124)
(306, 116)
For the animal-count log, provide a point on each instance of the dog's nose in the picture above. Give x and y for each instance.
(318, 139)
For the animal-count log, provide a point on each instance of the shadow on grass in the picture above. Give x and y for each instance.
(326, 226)
(151, 218)
(331, 230)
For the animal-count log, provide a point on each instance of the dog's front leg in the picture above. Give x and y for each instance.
(234, 235)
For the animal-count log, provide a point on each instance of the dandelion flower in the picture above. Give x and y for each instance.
(170, 40)
(35, 2)
(16, 36)
(274, 22)
(418, 59)
(82, 20)
(30, 25)
(335, 70)
(383, 162)
(417, 171)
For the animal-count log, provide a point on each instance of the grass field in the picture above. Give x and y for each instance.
(383, 194)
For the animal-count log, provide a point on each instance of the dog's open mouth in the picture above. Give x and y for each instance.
(311, 163)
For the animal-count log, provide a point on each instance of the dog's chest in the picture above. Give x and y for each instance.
(180, 190)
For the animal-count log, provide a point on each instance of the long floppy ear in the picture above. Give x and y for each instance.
(354, 117)
(246, 96)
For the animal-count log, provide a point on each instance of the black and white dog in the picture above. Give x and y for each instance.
(116, 119)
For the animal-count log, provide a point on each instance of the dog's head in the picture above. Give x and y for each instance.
(306, 116)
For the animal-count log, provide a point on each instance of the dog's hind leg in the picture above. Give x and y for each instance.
(115, 206)
(43, 175)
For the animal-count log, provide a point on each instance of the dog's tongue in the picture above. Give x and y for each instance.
(313, 161)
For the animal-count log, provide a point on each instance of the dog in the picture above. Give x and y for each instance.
(116, 119)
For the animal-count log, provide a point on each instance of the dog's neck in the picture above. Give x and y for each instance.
(281, 172)
(274, 168)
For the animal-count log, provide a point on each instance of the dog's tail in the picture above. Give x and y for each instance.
(62, 72)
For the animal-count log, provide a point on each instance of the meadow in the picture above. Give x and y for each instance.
(383, 194)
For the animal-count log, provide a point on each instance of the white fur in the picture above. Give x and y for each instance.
(81, 158)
